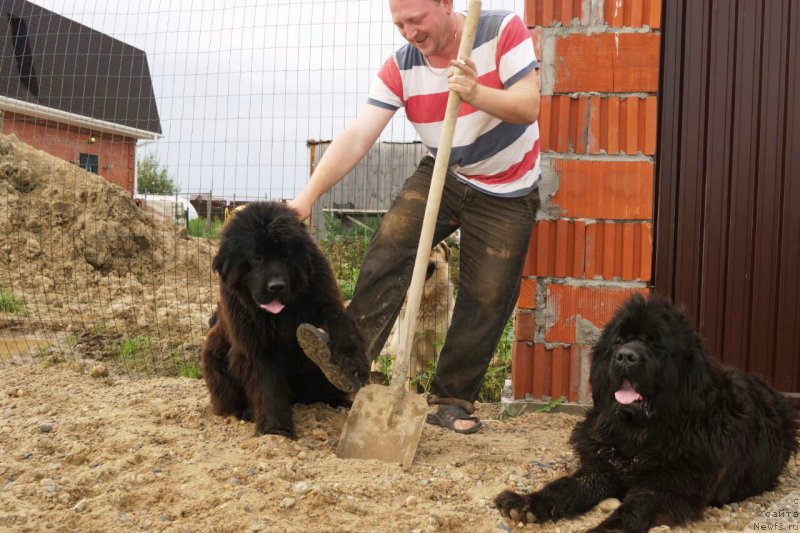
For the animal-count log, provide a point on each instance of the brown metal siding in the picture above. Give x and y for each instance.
(728, 179)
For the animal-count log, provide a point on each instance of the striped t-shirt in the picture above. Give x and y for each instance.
(491, 155)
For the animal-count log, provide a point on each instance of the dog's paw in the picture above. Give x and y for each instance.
(600, 528)
(245, 414)
(516, 506)
(269, 429)
(351, 360)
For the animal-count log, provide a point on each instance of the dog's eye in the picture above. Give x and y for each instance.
(256, 259)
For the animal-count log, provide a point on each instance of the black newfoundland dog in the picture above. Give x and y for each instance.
(671, 430)
(273, 277)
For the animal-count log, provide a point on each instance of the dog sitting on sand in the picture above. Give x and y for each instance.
(433, 319)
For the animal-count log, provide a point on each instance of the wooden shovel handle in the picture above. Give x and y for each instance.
(401, 363)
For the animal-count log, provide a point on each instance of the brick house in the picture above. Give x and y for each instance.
(74, 92)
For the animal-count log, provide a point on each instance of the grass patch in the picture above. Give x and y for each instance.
(199, 227)
(552, 404)
(495, 378)
(10, 303)
(345, 257)
(187, 369)
(138, 353)
(493, 382)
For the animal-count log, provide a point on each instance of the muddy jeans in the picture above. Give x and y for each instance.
(495, 233)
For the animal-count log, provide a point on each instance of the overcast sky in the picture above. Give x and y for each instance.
(242, 84)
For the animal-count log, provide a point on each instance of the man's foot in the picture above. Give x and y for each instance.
(317, 346)
(455, 418)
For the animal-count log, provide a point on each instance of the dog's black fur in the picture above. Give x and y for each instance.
(671, 430)
(272, 278)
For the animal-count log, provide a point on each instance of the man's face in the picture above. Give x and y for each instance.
(423, 23)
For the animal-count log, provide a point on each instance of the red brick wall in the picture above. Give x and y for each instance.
(593, 245)
(116, 153)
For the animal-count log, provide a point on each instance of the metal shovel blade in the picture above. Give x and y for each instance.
(384, 423)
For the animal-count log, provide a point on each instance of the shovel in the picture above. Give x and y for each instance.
(385, 422)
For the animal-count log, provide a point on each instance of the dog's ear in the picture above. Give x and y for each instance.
(446, 251)
(227, 263)
(598, 372)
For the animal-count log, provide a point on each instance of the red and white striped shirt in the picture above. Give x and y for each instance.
(491, 155)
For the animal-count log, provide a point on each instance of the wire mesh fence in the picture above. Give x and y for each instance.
(130, 128)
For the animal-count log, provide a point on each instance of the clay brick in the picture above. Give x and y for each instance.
(584, 358)
(650, 128)
(524, 325)
(559, 372)
(521, 369)
(558, 247)
(606, 62)
(565, 304)
(632, 13)
(527, 294)
(541, 371)
(604, 189)
(585, 138)
(620, 251)
(549, 12)
(576, 377)
(554, 124)
(594, 125)
(529, 268)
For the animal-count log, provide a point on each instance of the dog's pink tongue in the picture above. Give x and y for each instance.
(626, 395)
(273, 307)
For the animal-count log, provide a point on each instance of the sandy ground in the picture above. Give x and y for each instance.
(83, 453)
(122, 451)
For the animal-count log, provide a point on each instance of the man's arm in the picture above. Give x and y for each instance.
(518, 104)
(342, 155)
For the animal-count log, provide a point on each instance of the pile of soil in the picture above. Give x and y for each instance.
(87, 261)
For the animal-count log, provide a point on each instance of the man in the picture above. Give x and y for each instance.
(491, 191)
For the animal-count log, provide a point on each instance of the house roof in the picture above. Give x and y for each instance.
(50, 62)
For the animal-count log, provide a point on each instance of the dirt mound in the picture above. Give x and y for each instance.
(88, 262)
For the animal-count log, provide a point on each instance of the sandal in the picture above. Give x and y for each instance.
(317, 346)
(447, 415)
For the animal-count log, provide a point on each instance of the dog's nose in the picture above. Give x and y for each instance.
(276, 285)
(627, 357)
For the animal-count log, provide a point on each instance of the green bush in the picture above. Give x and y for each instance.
(495, 378)
(198, 227)
(345, 255)
(152, 178)
(9, 303)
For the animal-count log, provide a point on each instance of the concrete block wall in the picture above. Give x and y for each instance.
(593, 243)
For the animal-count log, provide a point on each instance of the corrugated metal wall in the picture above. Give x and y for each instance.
(728, 178)
(372, 184)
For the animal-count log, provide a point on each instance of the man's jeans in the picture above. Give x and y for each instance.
(495, 233)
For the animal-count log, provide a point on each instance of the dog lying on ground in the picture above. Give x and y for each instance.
(671, 430)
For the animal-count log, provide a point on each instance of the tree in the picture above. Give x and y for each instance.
(152, 178)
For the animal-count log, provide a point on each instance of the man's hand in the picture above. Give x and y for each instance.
(463, 78)
(302, 207)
